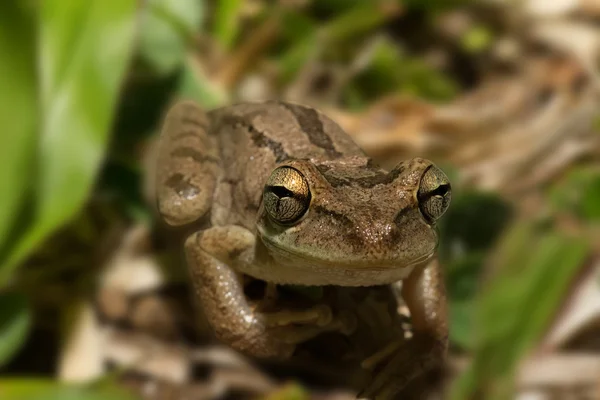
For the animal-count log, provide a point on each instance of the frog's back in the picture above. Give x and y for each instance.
(282, 130)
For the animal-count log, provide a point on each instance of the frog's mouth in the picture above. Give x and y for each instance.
(286, 266)
(295, 258)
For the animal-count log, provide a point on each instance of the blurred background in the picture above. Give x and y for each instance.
(503, 95)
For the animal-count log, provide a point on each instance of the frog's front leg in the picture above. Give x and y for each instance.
(401, 362)
(234, 321)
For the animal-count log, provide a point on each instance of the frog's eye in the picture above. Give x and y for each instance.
(434, 194)
(286, 196)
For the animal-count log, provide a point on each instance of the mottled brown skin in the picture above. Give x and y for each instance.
(287, 197)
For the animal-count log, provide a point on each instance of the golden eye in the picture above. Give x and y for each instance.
(286, 196)
(434, 194)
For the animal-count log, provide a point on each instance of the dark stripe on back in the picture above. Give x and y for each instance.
(259, 138)
(311, 124)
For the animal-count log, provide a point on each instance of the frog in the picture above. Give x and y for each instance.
(278, 192)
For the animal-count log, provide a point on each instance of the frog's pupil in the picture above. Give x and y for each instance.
(280, 191)
(441, 190)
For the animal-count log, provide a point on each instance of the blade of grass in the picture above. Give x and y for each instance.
(226, 26)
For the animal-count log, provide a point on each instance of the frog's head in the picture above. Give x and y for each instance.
(356, 222)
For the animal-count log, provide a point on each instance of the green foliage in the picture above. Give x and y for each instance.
(463, 278)
(19, 116)
(477, 39)
(168, 29)
(472, 224)
(330, 7)
(534, 267)
(467, 233)
(359, 19)
(435, 6)
(578, 193)
(56, 121)
(309, 38)
(15, 320)
(289, 391)
(83, 53)
(304, 50)
(167, 41)
(392, 71)
(225, 25)
(37, 389)
(596, 124)
(294, 27)
(195, 85)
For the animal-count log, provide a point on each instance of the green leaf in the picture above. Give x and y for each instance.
(468, 231)
(226, 26)
(295, 27)
(463, 276)
(168, 29)
(15, 321)
(84, 49)
(477, 39)
(590, 202)
(293, 60)
(195, 85)
(38, 389)
(289, 391)
(18, 113)
(361, 18)
(461, 323)
(579, 193)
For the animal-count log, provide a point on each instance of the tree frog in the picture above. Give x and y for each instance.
(279, 192)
